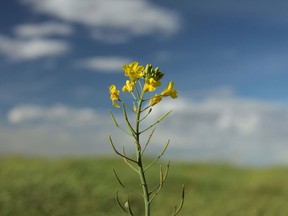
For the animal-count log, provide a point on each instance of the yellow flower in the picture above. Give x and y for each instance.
(156, 99)
(115, 104)
(150, 85)
(133, 71)
(114, 95)
(169, 91)
(129, 86)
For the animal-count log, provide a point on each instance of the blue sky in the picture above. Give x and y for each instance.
(228, 60)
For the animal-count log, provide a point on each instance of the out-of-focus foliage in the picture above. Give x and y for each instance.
(86, 187)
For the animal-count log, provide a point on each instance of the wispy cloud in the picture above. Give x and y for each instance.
(127, 18)
(230, 128)
(43, 29)
(30, 49)
(109, 64)
(259, 10)
(33, 40)
(112, 36)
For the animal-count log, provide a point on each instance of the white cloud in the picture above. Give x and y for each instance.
(55, 130)
(238, 130)
(29, 49)
(57, 114)
(130, 18)
(52, 141)
(43, 29)
(103, 64)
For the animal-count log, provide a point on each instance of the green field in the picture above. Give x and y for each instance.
(86, 187)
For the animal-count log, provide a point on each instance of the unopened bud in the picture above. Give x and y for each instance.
(148, 68)
(150, 110)
(134, 107)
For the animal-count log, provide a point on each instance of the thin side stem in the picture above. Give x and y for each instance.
(159, 156)
(158, 121)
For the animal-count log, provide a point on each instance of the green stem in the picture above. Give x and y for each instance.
(139, 158)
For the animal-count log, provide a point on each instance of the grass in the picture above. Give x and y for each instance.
(86, 187)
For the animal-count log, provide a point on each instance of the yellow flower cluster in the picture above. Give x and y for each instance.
(151, 79)
(133, 71)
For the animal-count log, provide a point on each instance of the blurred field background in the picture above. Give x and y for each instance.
(31, 186)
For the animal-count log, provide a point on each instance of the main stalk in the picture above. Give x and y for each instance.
(139, 158)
